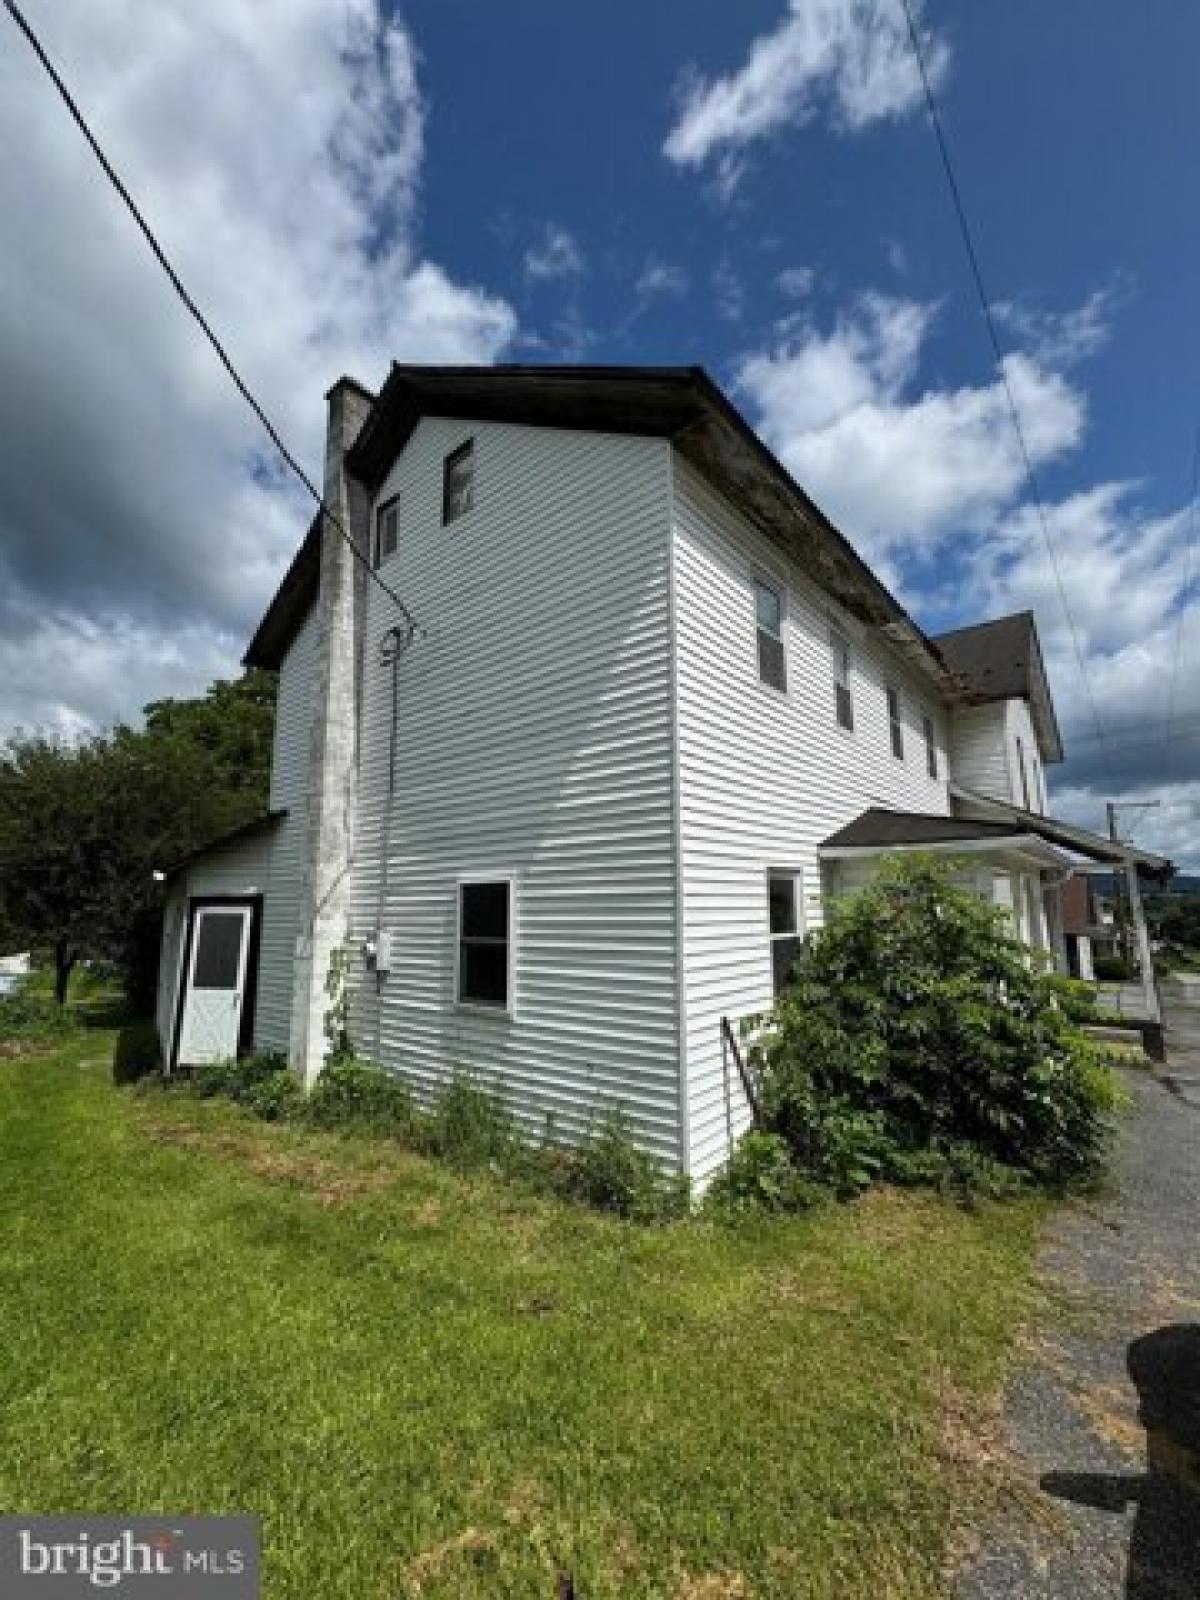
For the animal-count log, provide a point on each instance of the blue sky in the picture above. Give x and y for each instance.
(754, 187)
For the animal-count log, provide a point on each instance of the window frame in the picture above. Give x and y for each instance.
(479, 880)
(463, 451)
(895, 720)
(842, 660)
(1024, 772)
(795, 876)
(929, 736)
(776, 587)
(392, 503)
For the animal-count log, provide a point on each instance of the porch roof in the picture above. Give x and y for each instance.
(878, 830)
(246, 830)
(978, 809)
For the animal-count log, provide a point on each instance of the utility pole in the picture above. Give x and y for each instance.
(1135, 908)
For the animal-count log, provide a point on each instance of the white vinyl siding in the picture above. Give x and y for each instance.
(1021, 741)
(533, 742)
(764, 779)
(978, 757)
(291, 755)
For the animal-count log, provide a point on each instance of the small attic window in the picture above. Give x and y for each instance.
(458, 483)
(387, 530)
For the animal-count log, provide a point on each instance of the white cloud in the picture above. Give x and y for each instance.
(659, 277)
(896, 466)
(277, 151)
(795, 281)
(729, 291)
(852, 56)
(555, 255)
(1062, 338)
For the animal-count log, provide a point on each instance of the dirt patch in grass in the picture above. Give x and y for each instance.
(332, 1182)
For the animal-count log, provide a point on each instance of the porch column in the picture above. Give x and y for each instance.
(1142, 936)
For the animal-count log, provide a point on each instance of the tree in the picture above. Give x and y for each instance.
(917, 1041)
(84, 825)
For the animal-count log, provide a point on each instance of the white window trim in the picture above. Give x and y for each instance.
(796, 874)
(778, 586)
(464, 447)
(383, 505)
(479, 1007)
(929, 743)
(838, 637)
(890, 691)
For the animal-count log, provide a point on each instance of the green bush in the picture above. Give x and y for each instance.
(277, 1097)
(760, 1177)
(610, 1172)
(1076, 998)
(469, 1125)
(238, 1078)
(32, 1017)
(137, 1053)
(916, 1043)
(350, 1093)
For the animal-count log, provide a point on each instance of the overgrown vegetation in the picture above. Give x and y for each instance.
(437, 1385)
(466, 1125)
(918, 1044)
(27, 1017)
(85, 823)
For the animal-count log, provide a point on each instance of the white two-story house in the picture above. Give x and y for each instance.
(569, 807)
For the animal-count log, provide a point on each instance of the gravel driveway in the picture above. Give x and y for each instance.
(1104, 1417)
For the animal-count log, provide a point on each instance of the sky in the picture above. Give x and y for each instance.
(751, 187)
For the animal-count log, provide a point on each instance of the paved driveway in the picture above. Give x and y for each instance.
(1104, 1419)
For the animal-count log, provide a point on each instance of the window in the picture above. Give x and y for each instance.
(842, 666)
(387, 530)
(1024, 774)
(218, 962)
(894, 724)
(458, 482)
(784, 918)
(768, 617)
(484, 943)
(931, 760)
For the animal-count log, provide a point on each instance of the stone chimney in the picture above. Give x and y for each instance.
(333, 764)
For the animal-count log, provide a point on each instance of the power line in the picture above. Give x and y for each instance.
(989, 319)
(1187, 579)
(410, 624)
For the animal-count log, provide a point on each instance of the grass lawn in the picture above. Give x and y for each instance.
(436, 1386)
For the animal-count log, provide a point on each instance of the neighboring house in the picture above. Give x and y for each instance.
(13, 971)
(657, 711)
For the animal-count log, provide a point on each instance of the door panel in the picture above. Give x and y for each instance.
(216, 984)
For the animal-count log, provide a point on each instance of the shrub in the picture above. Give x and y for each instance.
(350, 1093)
(916, 1043)
(1076, 999)
(29, 1016)
(137, 1054)
(275, 1097)
(469, 1125)
(610, 1172)
(238, 1078)
(760, 1178)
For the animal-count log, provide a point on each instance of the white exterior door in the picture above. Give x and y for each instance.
(216, 984)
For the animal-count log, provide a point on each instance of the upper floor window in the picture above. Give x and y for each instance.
(768, 618)
(895, 726)
(930, 744)
(783, 907)
(843, 666)
(1024, 771)
(458, 482)
(387, 530)
(485, 943)
(930, 737)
